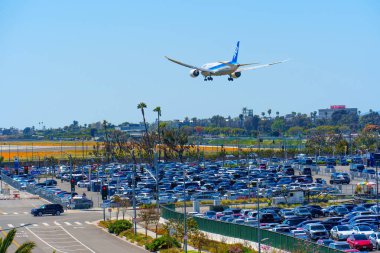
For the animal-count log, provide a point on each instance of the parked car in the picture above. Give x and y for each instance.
(341, 232)
(316, 231)
(53, 209)
(340, 246)
(359, 242)
(375, 240)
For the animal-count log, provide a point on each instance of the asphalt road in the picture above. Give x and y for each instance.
(73, 231)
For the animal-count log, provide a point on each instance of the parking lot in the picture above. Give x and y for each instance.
(282, 182)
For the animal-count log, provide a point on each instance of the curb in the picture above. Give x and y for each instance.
(120, 238)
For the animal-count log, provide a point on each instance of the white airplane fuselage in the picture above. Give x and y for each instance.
(218, 69)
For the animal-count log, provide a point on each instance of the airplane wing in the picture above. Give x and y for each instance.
(260, 66)
(189, 66)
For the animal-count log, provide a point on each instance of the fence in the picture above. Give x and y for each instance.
(249, 233)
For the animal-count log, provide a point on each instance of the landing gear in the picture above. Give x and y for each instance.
(208, 78)
(230, 79)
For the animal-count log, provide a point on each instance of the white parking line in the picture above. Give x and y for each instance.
(22, 224)
(67, 223)
(57, 223)
(5, 213)
(78, 223)
(87, 222)
(15, 213)
(45, 224)
(10, 225)
(35, 225)
(25, 212)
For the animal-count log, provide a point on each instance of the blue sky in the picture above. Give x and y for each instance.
(92, 60)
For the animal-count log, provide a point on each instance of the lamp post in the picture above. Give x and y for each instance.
(184, 213)
(258, 216)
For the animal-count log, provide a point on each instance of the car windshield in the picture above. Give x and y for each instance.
(43, 207)
(360, 237)
(342, 246)
(343, 228)
(364, 228)
(317, 227)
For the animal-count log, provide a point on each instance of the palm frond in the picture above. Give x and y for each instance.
(7, 241)
(26, 247)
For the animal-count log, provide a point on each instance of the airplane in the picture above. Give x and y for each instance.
(231, 68)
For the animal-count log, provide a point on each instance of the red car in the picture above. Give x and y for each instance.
(360, 242)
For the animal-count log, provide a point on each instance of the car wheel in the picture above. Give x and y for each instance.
(40, 214)
(58, 213)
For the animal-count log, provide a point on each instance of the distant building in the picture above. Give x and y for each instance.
(134, 130)
(327, 113)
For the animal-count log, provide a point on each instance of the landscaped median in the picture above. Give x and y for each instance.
(170, 236)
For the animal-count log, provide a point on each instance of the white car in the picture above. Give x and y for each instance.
(363, 229)
(341, 232)
(375, 240)
(83, 183)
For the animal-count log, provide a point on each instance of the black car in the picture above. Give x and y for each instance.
(315, 212)
(53, 209)
(49, 182)
(339, 179)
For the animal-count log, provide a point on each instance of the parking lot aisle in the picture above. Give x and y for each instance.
(59, 239)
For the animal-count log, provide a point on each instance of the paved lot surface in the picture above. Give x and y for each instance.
(73, 231)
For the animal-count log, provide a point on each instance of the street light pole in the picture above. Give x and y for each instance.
(134, 198)
(184, 213)
(258, 217)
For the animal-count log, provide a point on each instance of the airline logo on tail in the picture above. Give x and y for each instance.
(235, 57)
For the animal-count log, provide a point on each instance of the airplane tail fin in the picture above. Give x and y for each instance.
(236, 53)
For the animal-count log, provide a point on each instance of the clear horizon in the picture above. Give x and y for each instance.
(89, 60)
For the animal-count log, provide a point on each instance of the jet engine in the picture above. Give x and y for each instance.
(194, 73)
(236, 75)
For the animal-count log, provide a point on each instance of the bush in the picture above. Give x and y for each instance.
(119, 226)
(164, 242)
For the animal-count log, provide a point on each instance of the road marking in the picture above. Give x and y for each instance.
(61, 248)
(10, 225)
(15, 213)
(87, 222)
(42, 240)
(57, 223)
(25, 212)
(22, 224)
(67, 223)
(78, 223)
(77, 240)
(45, 224)
(5, 213)
(35, 225)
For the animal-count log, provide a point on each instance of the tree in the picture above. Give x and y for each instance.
(142, 106)
(26, 247)
(199, 239)
(158, 110)
(148, 216)
(269, 112)
(177, 141)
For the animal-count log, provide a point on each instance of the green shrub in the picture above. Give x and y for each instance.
(105, 224)
(119, 226)
(164, 242)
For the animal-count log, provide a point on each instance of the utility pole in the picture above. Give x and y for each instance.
(71, 172)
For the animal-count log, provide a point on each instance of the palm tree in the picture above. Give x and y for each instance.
(277, 114)
(269, 112)
(158, 110)
(263, 114)
(26, 247)
(142, 106)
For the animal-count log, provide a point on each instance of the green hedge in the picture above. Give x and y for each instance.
(119, 226)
